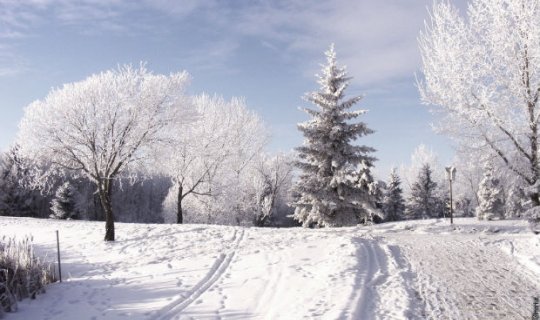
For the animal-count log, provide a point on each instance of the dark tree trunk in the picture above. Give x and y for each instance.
(535, 199)
(179, 213)
(533, 124)
(105, 192)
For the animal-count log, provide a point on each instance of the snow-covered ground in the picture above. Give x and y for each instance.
(404, 270)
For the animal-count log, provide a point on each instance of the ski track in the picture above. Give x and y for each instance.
(218, 269)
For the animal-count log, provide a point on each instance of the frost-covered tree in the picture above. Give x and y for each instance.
(272, 180)
(483, 72)
(329, 194)
(490, 194)
(423, 202)
(213, 150)
(393, 203)
(104, 126)
(514, 204)
(64, 204)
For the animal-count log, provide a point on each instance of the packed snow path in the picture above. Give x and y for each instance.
(406, 270)
(463, 278)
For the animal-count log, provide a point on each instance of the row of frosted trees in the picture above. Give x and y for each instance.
(123, 126)
(202, 158)
(131, 144)
(429, 198)
(152, 199)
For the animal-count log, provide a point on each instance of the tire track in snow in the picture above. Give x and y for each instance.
(216, 271)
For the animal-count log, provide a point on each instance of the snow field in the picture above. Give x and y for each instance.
(404, 270)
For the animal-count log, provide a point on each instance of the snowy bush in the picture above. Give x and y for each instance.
(22, 274)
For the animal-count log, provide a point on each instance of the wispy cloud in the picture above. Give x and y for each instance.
(375, 39)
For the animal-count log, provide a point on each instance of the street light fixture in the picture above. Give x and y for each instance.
(451, 175)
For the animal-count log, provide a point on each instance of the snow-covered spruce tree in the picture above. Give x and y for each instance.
(393, 203)
(423, 202)
(329, 194)
(64, 205)
(514, 203)
(490, 196)
(370, 194)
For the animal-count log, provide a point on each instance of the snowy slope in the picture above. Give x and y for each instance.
(403, 270)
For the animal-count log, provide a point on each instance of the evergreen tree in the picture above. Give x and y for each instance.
(490, 195)
(15, 198)
(64, 205)
(423, 202)
(464, 207)
(393, 203)
(369, 194)
(329, 188)
(514, 204)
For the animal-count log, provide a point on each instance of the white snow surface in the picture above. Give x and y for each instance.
(404, 270)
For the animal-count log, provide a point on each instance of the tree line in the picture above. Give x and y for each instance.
(132, 145)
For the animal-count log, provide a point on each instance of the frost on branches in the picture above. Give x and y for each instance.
(483, 73)
(490, 194)
(329, 192)
(104, 127)
(212, 154)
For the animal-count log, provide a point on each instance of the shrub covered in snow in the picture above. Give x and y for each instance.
(22, 274)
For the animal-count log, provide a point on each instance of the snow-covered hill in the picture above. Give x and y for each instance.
(405, 270)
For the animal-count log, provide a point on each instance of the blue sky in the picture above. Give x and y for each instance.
(265, 51)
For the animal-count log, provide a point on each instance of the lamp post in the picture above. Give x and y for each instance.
(451, 175)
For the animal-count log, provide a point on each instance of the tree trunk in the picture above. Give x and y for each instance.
(535, 199)
(179, 213)
(105, 192)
